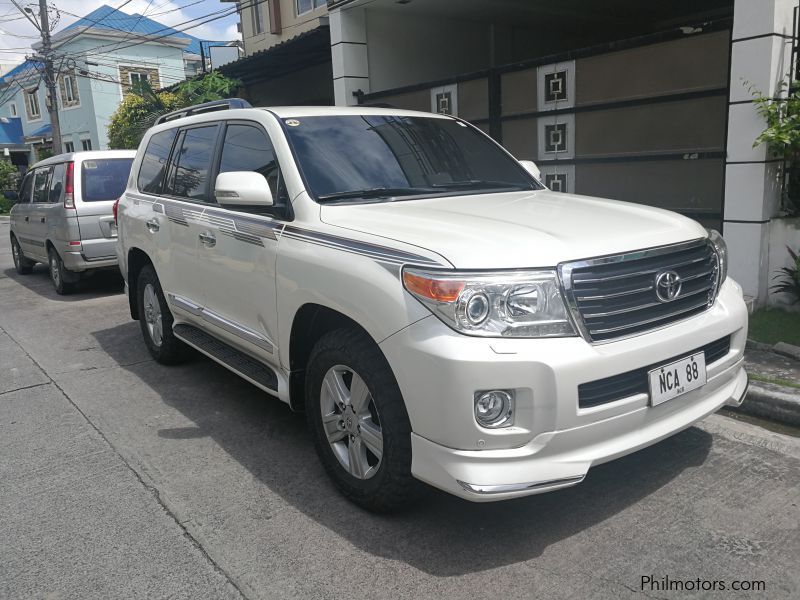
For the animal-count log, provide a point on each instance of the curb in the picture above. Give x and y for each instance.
(773, 402)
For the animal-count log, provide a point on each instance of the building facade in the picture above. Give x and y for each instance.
(100, 58)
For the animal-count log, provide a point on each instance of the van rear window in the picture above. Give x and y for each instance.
(104, 178)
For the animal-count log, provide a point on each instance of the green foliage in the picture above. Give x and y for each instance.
(782, 136)
(8, 175)
(140, 109)
(788, 278)
(773, 325)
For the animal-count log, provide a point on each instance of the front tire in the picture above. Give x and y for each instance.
(24, 266)
(59, 274)
(359, 422)
(156, 320)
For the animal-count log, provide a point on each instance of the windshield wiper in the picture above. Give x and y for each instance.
(378, 192)
(478, 183)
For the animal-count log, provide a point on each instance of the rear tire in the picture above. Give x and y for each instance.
(59, 274)
(156, 320)
(359, 422)
(24, 266)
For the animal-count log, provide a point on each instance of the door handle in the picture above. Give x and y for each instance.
(152, 225)
(208, 239)
(27, 219)
(43, 219)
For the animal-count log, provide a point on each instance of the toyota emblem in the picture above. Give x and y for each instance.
(668, 286)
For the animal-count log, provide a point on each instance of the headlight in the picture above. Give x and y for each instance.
(721, 248)
(497, 304)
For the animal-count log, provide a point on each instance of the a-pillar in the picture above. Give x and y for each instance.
(760, 59)
(349, 54)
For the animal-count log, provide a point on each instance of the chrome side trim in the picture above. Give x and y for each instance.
(519, 487)
(213, 318)
(237, 330)
(185, 304)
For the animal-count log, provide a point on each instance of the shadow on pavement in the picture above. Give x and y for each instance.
(444, 536)
(96, 285)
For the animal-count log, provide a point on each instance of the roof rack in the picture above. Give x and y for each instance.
(199, 109)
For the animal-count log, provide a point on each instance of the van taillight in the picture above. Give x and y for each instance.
(69, 186)
(114, 211)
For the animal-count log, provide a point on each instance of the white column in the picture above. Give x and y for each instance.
(349, 54)
(760, 57)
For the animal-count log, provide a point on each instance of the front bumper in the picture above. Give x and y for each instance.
(553, 442)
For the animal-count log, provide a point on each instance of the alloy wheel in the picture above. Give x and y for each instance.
(152, 314)
(55, 273)
(15, 252)
(351, 422)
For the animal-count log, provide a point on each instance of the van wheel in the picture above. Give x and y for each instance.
(58, 273)
(23, 265)
(156, 320)
(359, 422)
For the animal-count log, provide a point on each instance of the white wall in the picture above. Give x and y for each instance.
(405, 50)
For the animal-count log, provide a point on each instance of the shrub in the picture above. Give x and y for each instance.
(788, 278)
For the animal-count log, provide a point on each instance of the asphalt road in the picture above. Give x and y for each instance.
(121, 478)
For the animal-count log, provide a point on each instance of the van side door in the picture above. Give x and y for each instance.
(38, 212)
(21, 215)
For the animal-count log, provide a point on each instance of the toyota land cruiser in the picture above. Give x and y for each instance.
(437, 313)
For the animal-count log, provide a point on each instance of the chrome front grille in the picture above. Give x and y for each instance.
(616, 296)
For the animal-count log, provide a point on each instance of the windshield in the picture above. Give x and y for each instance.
(104, 178)
(351, 157)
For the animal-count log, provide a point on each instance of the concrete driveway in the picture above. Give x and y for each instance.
(121, 478)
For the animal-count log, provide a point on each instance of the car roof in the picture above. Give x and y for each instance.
(79, 156)
(286, 112)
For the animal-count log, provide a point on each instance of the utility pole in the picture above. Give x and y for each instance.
(43, 25)
(49, 76)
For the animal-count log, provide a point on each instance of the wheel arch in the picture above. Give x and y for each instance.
(310, 323)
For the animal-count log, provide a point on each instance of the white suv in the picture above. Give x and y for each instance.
(436, 311)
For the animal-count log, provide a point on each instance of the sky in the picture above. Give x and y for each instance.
(17, 34)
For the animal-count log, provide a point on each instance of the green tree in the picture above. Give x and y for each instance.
(8, 181)
(140, 109)
(782, 137)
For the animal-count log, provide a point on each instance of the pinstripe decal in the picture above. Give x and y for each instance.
(379, 253)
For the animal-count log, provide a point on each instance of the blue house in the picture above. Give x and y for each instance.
(99, 58)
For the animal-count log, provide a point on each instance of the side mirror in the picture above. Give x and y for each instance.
(243, 188)
(531, 168)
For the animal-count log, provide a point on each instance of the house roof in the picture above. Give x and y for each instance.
(107, 17)
(303, 50)
(45, 130)
(10, 131)
(29, 67)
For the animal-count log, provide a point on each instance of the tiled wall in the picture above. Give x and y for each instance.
(644, 124)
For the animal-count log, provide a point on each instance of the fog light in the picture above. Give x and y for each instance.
(494, 408)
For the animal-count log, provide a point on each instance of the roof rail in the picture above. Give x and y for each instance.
(199, 109)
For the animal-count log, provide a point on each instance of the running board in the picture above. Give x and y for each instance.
(229, 357)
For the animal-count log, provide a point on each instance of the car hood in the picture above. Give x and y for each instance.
(516, 229)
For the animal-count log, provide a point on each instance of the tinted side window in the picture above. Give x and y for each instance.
(154, 162)
(41, 184)
(57, 183)
(248, 148)
(192, 162)
(25, 189)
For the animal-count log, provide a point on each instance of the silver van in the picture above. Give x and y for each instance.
(64, 214)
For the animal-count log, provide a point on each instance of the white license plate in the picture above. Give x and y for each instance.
(677, 378)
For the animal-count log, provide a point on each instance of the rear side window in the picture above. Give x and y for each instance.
(57, 183)
(192, 160)
(104, 178)
(154, 162)
(41, 185)
(25, 189)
